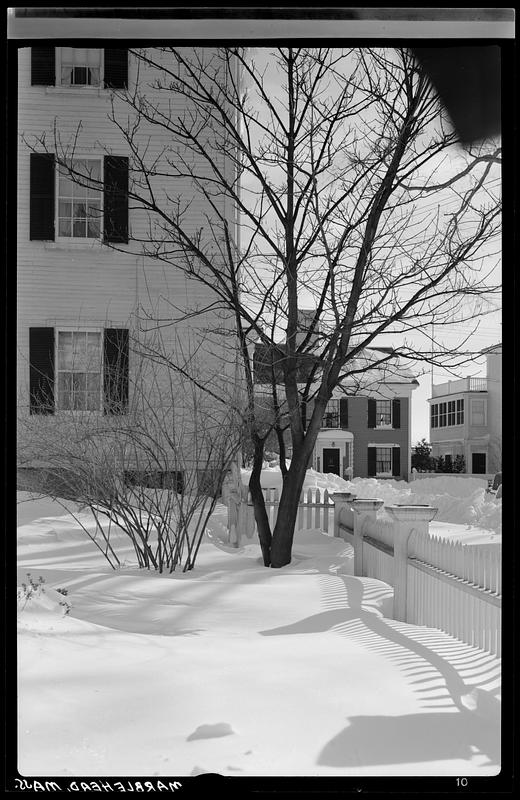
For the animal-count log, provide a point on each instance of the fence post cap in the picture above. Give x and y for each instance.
(346, 496)
(366, 504)
(411, 512)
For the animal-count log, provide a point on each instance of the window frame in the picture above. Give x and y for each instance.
(381, 474)
(57, 370)
(329, 413)
(79, 86)
(79, 239)
(460, 411)
(385, 425)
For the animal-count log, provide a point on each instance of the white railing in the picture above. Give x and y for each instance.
(437, 582)
(460, 385)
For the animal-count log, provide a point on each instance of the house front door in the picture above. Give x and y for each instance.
(331, 460)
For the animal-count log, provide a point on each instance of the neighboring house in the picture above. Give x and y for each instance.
(83, 286)
(466, 418)
(366, 426)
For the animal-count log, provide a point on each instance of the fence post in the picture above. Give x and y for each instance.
(407, 518)
(364, 509)
(341, 499)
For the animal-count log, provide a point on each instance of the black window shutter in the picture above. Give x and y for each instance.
(115, 212)
(371, 462)
(304, 415)
(396, 462)
(41, 189)
(41, 370)
(43, 66)
(343, 413)
(396, 413)
(371, 413)
(115, 368)
(116, 68)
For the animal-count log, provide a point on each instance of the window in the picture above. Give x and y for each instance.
(447, 414)
(435, 415)
(79, 66)
(451, 412)
(478, 412)
(79, 201)
(460, 412)
(92, 205)
(383, 413)
(79, 370)
(384, 460)
(331, 416)
(155, 479)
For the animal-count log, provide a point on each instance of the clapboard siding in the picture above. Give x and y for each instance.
(71, 284)
(84, 284)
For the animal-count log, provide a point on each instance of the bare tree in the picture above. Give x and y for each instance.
(353, 197)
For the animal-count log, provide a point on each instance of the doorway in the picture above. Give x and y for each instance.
(331, 460)
(478, 463)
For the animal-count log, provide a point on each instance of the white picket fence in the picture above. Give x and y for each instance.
(451, 586)
(315, 509)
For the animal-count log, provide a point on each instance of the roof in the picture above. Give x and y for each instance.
(392, 371)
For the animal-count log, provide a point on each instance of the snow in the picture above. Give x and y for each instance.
(459, 500)
(236, 669)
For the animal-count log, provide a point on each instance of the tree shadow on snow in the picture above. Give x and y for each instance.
(412, 738)
(475, 721)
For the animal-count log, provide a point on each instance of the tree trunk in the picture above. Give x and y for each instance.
(283, 533)
(261, 518)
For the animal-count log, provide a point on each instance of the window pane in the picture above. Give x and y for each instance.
(65, 208)
(66, 76)
(79, 229)
(64, 350)
(80, 210)
(93, 391)
(64, 227)
(93, 170)
(79, 385)
(65, 185)
(94, 74)
(64, 391)
(93, 229)
(93, 56)
(94, 351)
(79, 341)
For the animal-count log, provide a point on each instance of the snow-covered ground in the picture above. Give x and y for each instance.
(237, 669)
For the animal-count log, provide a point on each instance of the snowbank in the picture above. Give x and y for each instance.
(460, 500)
